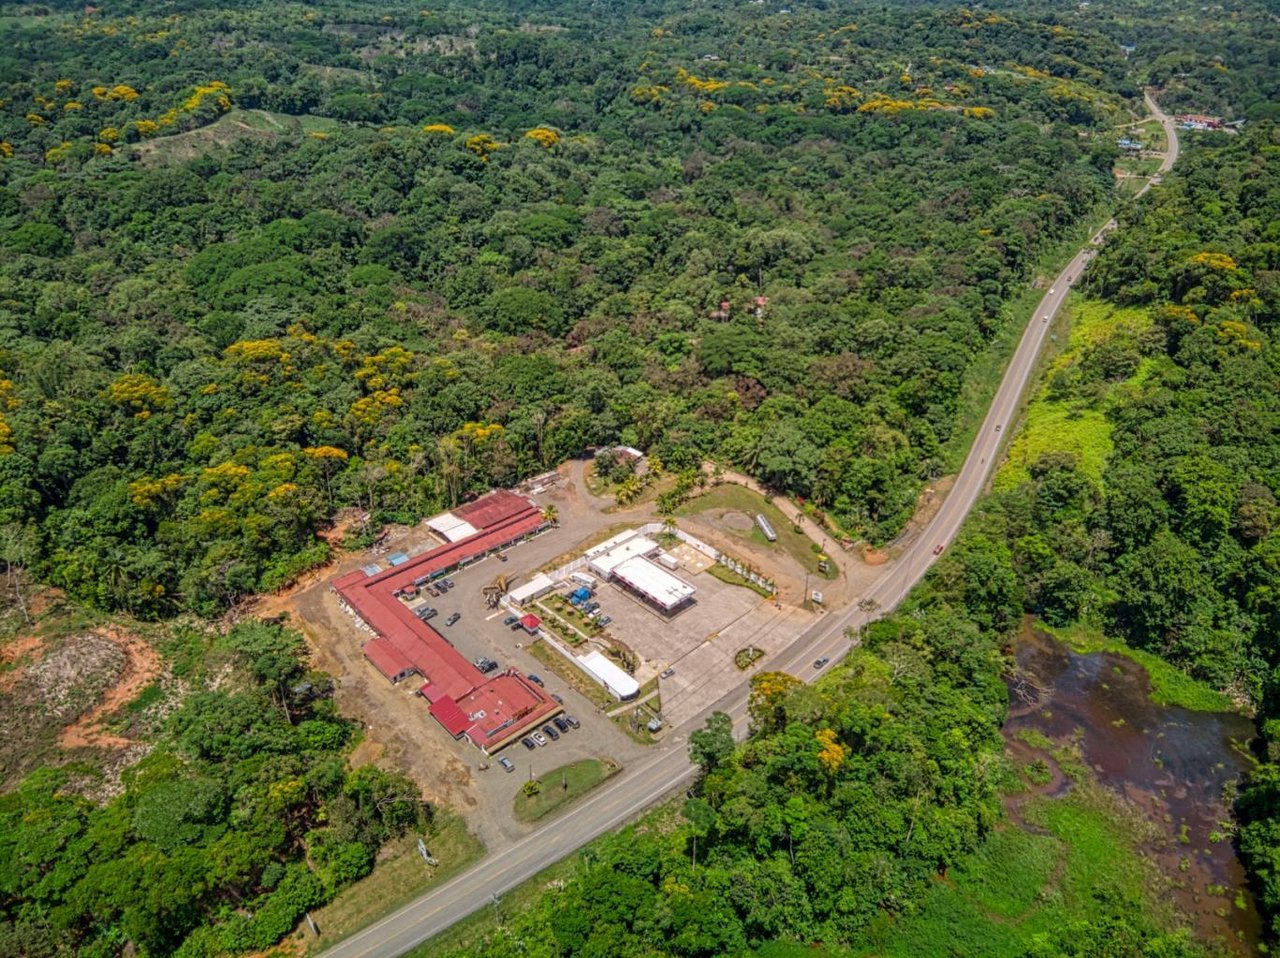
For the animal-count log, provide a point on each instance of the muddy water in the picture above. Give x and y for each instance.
(1171, 762)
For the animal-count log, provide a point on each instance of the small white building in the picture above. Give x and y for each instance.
(535, 588)
(598, 666)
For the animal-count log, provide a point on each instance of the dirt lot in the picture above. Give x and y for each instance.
(59, 689)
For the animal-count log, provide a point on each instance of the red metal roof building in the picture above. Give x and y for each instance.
(491, 712)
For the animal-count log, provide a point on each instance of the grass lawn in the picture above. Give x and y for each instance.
(1019, 884)
(1169, 685)
(397, 878)
(729, 495)
(571, 674)
(561, 786)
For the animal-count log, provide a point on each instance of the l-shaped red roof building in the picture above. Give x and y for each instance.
(491, 711)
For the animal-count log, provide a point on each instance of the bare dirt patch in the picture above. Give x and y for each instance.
(20, 651)
(142, 665)
(737, 521)
(59, 680)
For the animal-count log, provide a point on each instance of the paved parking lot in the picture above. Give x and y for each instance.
(480, 632)
(698, 642)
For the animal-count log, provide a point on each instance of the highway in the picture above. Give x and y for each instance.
(668, 768)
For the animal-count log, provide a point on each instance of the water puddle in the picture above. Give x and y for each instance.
(1171, 762)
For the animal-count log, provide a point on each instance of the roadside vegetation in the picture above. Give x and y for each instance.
(399, 875)
(552, 790)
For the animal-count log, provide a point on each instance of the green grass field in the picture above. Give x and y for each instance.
(561, 786)
(729, 495)
(1071, 425)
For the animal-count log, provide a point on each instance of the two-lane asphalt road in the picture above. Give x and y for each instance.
(668, 767)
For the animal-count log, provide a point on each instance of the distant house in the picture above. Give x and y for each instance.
(1130, 146)
(1199, 121)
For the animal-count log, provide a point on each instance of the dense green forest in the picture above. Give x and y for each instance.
(264, 261)
(500, 224)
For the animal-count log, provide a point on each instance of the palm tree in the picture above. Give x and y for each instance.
(551, 515)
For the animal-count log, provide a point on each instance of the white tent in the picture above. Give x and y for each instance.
(451, 527)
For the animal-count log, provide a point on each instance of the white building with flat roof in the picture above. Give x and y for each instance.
(634, 547)
(662, 588)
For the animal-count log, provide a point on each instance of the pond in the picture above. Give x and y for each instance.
(1171, 762)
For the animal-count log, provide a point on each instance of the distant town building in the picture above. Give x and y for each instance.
(1198, 121)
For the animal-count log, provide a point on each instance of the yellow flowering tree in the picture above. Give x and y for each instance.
(541, 134)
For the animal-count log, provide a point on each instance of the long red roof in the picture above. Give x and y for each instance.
(454, 686)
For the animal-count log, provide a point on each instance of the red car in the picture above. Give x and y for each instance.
(937, 550)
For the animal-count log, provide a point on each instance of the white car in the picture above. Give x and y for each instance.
(1052, 291)
(539, 739)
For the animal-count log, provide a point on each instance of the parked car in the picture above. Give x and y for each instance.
(447, 583)
(511, 621)
(452, 620)
(560, 723)
(819, 663)
(539, 739)
(603, 621)
(550, 732)
(535, 679)
(573, 722)
(557, 698)
(485, 665)
(528, 743)
(433, 592)
(507, 764)
(591, 607)
(430, 614)
(667, 673)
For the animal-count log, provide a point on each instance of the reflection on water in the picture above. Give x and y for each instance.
(1170, 761)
